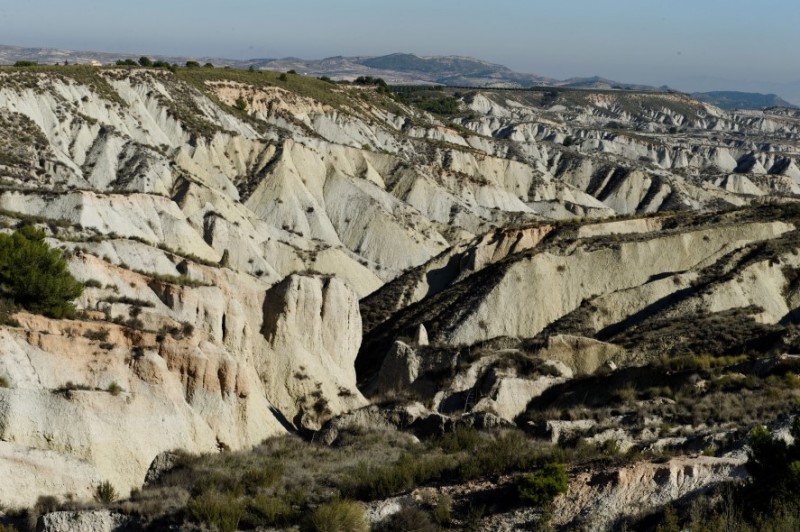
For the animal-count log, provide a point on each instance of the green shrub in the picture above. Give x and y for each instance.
(625, 395)
(257, 477)
(4, 383)
(339, 516)
(541, 487)
(192, 64)
(241, 104)
(774, 468)
(114, 389)
(443, 511)
(35, 276)
(25, 63)
(7, 310)
(409, 518)
(270, 511)
(509, 451)
(99, 335)
(410, 470)
(105, 493)
(460, 439)
(46, 504)
(669, 523)
(222, 511)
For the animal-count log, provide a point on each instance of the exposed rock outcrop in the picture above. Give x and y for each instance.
(596, 500)
(96, 521)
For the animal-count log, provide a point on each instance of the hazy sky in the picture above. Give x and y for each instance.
(687, 44)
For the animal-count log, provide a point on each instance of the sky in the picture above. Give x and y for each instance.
(690, 45)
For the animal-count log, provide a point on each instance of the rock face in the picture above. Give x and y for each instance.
(64, 428)
(399, 370)
(97, 521)
(314, 329)
(62, 413)
(591, 285)
(584, 326)
(597, 500)
(561, 283)
(580, 355)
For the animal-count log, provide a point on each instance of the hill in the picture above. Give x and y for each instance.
(742, 100)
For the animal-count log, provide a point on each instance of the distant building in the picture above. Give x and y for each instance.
(95, 63)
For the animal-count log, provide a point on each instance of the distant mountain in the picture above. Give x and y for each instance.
(49, 56)
(742, 100)
(411, 69)
(399, 68)
(435, 65)
(599, 83)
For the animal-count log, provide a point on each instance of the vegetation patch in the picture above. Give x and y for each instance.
(541, 487)
(288, 482)
(36, 277)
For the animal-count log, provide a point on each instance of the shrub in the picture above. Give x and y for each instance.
(100, 335)
(510, 451)
(409, 518)
(339, 516)
(446, 105)
(625, 395)
(774, 468)
(460, 439)
(145, 61)
(192, 64)
(46, 504)
(270, 511)
(4, 382)
(372, 483)
(125, 300)
(541, 487)
(35, 276)
(25, 63)
(114, 389)
(105, 493)
(241, 104)
(222, 511)
(442, 512)
(261, 476)
(7, 310)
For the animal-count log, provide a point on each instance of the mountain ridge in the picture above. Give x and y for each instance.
(396, 68)
(742, 100)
